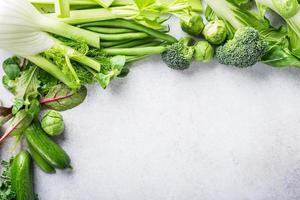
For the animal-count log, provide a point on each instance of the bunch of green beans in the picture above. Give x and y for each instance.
(126, 37)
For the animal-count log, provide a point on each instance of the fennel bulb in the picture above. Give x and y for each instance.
(22, 29)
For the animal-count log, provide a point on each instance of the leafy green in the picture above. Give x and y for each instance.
(278, 54)
(11, 67)
(111, 70)
(5, 115)
(209, 14)
(26, 88)
(6, 192)
(47, 81)
(61, 98)
(9, 84)
(60, 58)
(17, 125)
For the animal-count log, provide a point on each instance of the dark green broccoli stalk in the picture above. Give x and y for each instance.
(179, 55)
(244, 50)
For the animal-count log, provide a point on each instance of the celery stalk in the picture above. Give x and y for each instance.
(52, 69)
(92, 15)
(62, 8)
(54, 26)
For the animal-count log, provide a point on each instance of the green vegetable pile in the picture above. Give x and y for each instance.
(60, 46)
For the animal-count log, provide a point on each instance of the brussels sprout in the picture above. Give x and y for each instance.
(53, 123)
(215, 32)
(203, 51)
(194, 26)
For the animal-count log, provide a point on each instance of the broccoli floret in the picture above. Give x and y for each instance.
(179, 55)
(244, 50)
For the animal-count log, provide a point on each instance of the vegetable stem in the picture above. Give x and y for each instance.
(77, 56)
(56, 27)
(123, 36)
(110, 30)
(62, 8)
(52, 69)
(92, 15)
(120, 23)
(82, 2)
(138, 51)
(132, 43)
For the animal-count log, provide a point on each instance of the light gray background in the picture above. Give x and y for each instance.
(209, 133)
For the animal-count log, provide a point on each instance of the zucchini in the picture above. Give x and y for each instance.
(51, 152)
(21, 177)
(40, 161)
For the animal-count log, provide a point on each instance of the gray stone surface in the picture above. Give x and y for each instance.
(209, 133)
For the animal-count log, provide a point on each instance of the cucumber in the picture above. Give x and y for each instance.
(51, 152)
(40, 162)
(21, 177)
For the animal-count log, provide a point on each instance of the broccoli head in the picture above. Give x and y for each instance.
(244, 50)
(179, 55)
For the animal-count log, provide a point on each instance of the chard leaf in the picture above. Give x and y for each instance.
(17, 125)
(5, 115)
(61, 98)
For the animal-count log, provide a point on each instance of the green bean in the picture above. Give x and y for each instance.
(109, 30)
(120, 23)
(113, 43)
(122, 36)
(133, 43)
(138, 51)
(130, 59)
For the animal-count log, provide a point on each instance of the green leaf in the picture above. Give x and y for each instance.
(11, 67)
(34, 108)
(5, 115)
(6, 192)
(61, 98)
(196, 5)
(104, 3)
(209, 14)
(47, 81)
(110, 72)
(27, 85)
(9, 84)
(141, 4)
(18, 104)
